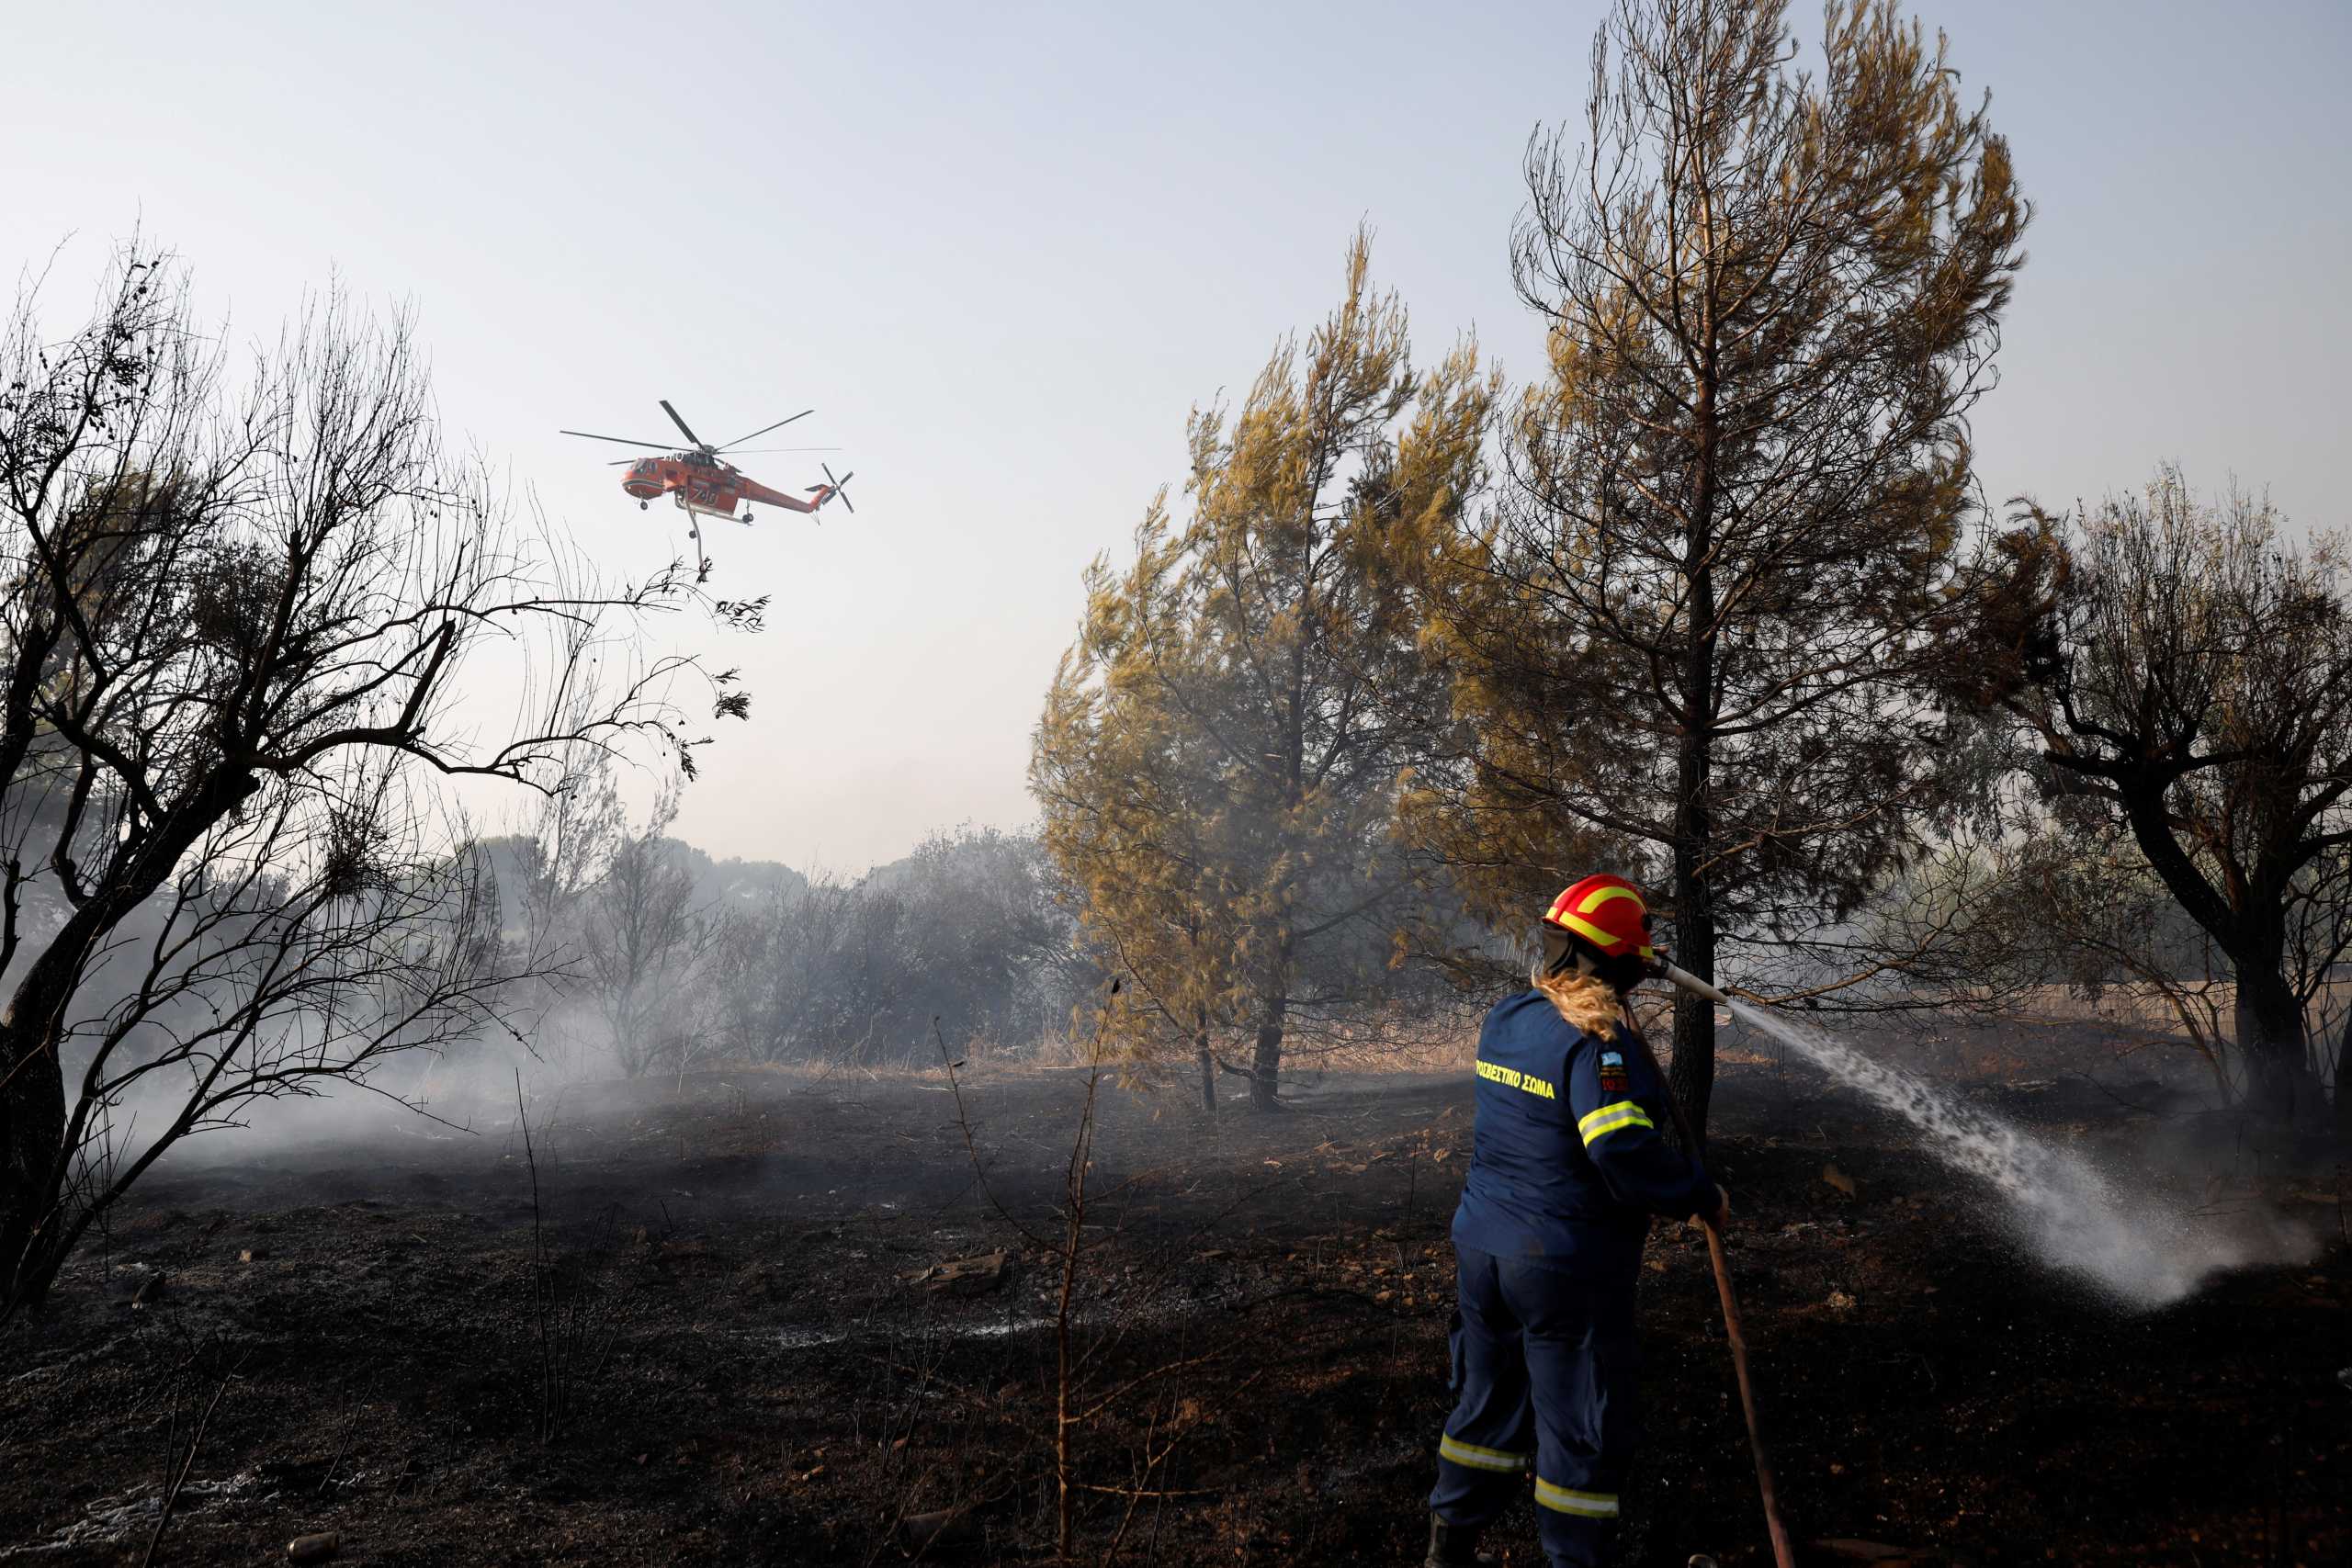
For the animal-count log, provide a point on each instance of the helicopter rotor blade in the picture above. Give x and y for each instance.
(779, 424)
(682, 424)
(623, 440)
(759, 451)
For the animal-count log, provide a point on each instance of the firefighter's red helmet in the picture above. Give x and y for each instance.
(1608, 913)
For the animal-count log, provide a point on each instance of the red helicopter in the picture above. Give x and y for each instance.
(707, 486)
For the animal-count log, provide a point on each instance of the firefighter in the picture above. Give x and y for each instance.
(1567, 1164)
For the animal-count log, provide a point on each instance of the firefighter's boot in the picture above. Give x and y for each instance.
(1454, 1546)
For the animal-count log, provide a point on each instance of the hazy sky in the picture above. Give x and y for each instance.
(1002, 249)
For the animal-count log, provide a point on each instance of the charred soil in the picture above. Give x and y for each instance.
(760, 1318)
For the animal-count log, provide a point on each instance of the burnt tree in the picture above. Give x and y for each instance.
(2187, 673)
(238, 630)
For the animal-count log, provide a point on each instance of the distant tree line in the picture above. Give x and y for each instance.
(673, 959)
(643, 954)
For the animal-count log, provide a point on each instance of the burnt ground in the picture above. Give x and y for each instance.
(704, 1344)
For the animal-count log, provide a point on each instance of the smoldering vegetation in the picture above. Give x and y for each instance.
(835, 1314)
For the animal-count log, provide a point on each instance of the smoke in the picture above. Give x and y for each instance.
(2137, 1248)
(451, 1095)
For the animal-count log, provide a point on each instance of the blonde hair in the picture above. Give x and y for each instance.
(1589, 1003)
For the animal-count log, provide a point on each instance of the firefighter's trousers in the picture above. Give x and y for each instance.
(1544, 1366)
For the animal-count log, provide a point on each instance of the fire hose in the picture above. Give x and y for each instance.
(1783, 1553)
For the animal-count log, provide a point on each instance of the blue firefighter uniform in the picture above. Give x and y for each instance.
(1568, 1165)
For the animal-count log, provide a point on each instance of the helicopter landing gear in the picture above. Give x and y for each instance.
(746, 517)
(641, 505)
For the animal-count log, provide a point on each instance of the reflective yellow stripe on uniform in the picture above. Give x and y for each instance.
(1613, 1118)
(1566, 1500)
(1476, 1458)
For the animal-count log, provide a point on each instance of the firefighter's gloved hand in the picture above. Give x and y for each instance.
(1721, 1216)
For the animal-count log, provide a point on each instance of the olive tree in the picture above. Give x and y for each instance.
(247, 627)
(2184, 670)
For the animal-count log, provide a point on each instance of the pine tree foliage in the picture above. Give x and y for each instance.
(1689, 647)
(1219, 753)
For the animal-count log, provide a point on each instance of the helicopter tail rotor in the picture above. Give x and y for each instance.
(835, 488)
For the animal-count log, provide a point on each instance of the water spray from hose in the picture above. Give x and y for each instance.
(2134, 1247)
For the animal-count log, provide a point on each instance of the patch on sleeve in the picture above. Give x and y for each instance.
(1613, 1073)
